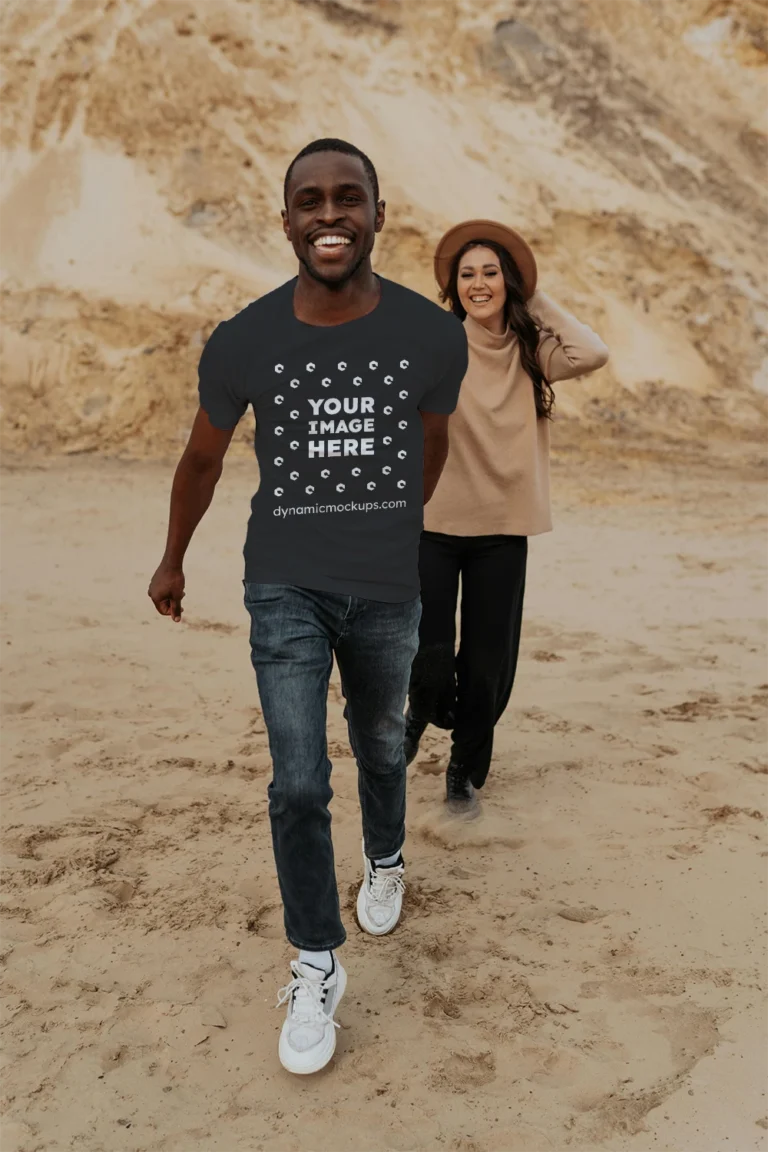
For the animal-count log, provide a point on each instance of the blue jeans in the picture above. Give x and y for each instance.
(295, 633)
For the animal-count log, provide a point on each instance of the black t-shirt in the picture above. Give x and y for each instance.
(339, 438)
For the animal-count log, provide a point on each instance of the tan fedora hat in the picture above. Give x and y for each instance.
(456, 237)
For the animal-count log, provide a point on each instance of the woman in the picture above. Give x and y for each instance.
(493, 494)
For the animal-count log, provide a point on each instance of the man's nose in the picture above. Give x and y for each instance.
(330, 211)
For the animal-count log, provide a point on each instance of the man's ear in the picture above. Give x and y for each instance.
(381, 211)
(286, 225)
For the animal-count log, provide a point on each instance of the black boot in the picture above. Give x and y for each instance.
(459, 793)
(414, 730)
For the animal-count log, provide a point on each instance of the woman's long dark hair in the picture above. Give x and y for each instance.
(519, 318)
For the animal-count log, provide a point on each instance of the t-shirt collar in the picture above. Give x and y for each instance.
(347, 324)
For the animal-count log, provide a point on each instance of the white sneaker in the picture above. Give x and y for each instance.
(380, 900)
(308, 1038)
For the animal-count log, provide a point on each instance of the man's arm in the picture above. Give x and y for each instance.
(196, 478)
(435, 450)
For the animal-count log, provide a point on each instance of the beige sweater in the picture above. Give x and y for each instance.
(496, 479)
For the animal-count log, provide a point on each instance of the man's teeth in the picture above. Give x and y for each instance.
(330, 241)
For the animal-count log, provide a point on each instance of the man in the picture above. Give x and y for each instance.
(352, 379)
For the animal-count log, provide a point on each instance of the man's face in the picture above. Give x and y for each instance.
(331, 218)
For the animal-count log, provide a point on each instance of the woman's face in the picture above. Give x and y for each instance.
(481, 287)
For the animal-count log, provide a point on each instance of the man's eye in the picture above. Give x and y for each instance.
(351, 200)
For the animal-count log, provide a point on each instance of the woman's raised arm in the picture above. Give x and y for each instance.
(567, 347)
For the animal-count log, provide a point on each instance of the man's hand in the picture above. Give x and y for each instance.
(166, 591)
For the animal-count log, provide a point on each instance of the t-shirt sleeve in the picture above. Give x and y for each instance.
(450, 368)
(218, 384)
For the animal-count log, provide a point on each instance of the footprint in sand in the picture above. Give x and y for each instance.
(467, 1070)
(437, 1003)
(420, 897)
(436, 947)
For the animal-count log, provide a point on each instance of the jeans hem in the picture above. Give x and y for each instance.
(385, 855)
(317, 947)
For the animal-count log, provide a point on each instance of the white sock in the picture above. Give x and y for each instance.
(388, 861)
(321, 960)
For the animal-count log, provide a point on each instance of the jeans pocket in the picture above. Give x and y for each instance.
(258, 594)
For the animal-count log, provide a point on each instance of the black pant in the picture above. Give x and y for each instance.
(469, 690)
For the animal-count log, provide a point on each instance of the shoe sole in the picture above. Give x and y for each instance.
(324, 1055)
(366, 925)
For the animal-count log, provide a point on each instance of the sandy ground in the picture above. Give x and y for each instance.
(580, 968)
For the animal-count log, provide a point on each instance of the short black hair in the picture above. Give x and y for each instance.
(331, 144)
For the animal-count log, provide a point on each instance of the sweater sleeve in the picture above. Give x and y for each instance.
(567, 347)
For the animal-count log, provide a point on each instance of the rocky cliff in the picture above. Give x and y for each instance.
(145, 145)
